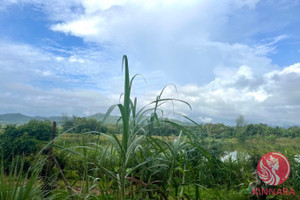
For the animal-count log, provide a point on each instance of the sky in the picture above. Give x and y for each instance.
(227, 58)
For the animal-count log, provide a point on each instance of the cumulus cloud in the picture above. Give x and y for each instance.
(268, 97)
(36, 101)
(167, 35)
(272, 97)
(36, 81)
(27, 64)
(116, 20)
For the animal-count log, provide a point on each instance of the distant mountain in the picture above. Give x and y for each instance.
(15, 118)
(18, 118)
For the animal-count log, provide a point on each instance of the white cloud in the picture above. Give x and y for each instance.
(34, 80)
(82, 27)
(123, 21)
(37, 101)
(168, 35)
(205, 119)
(245, 71)
(271, 97)
(268, 97)
(268, 46)
(38, 82)
(164, 35)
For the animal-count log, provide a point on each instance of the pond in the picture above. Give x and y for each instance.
(234, 155)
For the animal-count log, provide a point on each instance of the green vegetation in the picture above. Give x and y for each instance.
(24, 139)
(144, 156)
(17, 118)
(17, 184)
(83, 125)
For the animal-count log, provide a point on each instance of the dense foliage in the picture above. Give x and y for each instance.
(83, 125)
(249, 131)
(24, 139)
(214, 130)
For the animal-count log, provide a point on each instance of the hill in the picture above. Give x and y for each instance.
(15, 118)
(18, 118)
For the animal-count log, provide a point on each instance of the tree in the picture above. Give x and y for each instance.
(83, 125)
(23, 139)
(240, 128)
(40, 130)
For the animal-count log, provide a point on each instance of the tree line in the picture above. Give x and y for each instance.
(25, 138)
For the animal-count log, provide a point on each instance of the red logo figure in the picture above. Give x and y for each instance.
(273, 168)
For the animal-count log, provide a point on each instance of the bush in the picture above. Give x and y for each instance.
(25, 138)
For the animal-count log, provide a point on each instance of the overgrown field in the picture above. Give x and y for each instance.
(160, 168)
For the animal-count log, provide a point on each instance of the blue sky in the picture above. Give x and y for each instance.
(226, 57)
